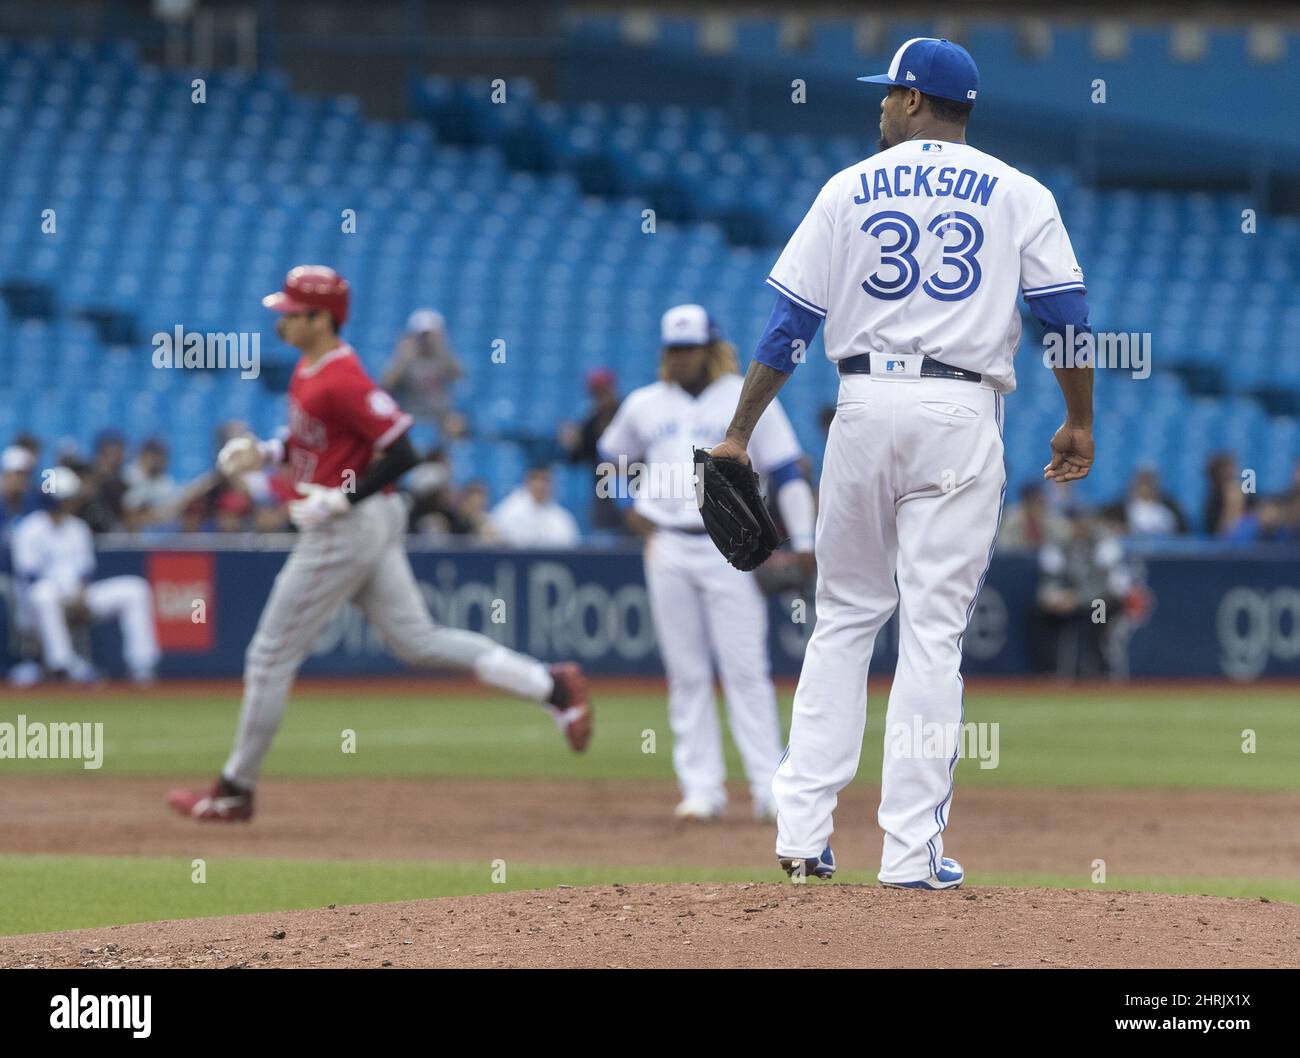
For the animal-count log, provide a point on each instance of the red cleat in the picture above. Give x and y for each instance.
(224, 803)
(571, 705)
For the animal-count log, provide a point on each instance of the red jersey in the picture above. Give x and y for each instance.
(337, 418)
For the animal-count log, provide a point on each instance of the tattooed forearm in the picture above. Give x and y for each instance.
(761, 385)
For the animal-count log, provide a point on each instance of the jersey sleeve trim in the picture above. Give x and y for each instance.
(395, 431)
(803, 303)
(1054, 288)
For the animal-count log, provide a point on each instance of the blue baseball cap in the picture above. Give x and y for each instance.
(934, 66)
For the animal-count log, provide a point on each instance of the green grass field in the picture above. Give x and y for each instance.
(1114, 738)
(1118, 738)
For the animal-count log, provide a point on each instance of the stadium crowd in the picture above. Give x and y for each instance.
(1090, 592)
(130, 489)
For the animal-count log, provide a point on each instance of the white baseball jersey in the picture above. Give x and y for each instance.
(922, 248)
(660, 425)
(63, 553)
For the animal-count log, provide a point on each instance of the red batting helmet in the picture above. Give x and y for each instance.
(312, 287)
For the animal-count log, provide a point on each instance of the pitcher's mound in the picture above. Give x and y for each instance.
(810, 925)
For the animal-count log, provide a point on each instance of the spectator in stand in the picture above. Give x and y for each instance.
(18, 497)
(151, 492)
(229, 505)
(1225, 502)
(233, 510)
(196, 516)
(69, 455)
(1030, 524)
(1083, 583)
(423, 370)
(32, 443)
(1147, 510)
(1268, 520)
(474, 511)
(155, 501)
(579, 443)
(1291, 515)
(104, 486)
(530, 516)
(434, 510)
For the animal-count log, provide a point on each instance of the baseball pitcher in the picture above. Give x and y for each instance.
(346, 446)
(914, 258)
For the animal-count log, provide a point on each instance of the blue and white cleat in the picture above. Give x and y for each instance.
(822, 867)
(949, 876)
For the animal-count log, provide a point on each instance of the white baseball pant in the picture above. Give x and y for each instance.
(127, 598)
(910, 500)
(359, 557)
(707, 613)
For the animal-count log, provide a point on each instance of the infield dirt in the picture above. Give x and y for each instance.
(618, 823)
(1215, 833)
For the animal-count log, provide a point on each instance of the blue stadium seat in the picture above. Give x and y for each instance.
(522, 222)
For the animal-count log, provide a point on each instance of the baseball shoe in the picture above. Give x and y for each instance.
(224, 803)
(949, 876)
(697, 810)
(822, 867)
(25, 674)
(80, 672)
(571, 704)
(144, 678)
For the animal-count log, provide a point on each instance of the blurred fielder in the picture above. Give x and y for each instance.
(54, 560)
(705, 612)
(346, 446)
(914, 258)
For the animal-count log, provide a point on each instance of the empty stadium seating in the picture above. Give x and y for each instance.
(522, 222)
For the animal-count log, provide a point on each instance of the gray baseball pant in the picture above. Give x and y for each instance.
(359, 557)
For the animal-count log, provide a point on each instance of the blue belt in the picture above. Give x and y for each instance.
(930, 368)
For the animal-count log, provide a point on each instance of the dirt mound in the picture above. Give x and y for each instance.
(753, 925)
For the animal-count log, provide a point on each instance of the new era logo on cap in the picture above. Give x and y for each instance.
(934, 66)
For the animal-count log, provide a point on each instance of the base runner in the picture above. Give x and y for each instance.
(346, 446)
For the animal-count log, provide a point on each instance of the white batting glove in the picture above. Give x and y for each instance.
(318, 506)
(239, 455)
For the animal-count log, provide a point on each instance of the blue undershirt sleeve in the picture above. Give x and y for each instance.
(790, 330)
(1057, 311)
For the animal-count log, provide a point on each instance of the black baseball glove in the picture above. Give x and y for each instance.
(734, 513)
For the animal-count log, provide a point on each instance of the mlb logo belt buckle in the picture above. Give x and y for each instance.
(901, 366)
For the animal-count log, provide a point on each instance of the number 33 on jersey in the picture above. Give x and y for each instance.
(922, 248)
